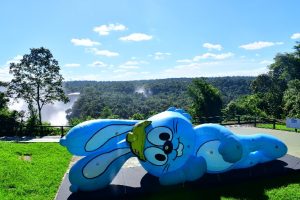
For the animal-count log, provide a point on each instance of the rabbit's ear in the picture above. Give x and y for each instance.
(96, 171)
(182, 112)
(91, 136)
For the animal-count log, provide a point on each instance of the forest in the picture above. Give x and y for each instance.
(141, 99)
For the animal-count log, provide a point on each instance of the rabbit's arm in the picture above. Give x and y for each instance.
(230, 147)
(192, 170)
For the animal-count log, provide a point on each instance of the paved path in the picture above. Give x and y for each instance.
(55, 138)
(136, 183)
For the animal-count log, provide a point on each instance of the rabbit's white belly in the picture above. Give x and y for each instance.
(214, 160)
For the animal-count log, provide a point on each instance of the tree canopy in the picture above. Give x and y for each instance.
(3, 99)
(291, 99)
(206, 98)
(250, 105)
(276, 90)
(37, 80)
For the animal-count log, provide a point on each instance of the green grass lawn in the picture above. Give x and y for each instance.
(40, 177)
(36, 178)
(278, 127)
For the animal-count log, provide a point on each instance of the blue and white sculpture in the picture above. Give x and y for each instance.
(167, 146)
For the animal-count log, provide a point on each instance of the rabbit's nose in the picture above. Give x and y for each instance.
(168, 147)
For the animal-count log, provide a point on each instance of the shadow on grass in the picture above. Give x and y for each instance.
(249, 183)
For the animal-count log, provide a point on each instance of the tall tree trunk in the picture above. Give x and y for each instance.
(38, 103)
(40, 115)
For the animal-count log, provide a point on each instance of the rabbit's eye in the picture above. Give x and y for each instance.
(164, 136)
(160, 157)
(155, 156)
(159, 135)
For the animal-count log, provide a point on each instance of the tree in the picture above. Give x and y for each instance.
(37, 80)
(206, 98)
(271, 87)
(3, 97)
(246, 105)
(262, 84)
(138, 116)
(286, 66)
(291, 99)
(9, 120)
(106, 112)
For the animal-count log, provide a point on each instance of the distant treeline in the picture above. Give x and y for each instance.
(141, 99)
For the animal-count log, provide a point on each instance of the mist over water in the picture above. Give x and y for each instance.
(52, 113)
(143, 91)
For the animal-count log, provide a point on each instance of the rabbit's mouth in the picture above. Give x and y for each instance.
(179, 150)
(137, 138)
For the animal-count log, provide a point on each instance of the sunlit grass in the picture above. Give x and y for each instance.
(39, 178)
(31, 170)
(277, 127)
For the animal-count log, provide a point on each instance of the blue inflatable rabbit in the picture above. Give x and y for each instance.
(167, 146)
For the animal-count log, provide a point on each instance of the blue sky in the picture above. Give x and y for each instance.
(150, 39)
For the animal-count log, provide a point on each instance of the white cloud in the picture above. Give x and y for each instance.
(98, 64)
(129, 67)
(295, 36)
(210, 46)
(124, 74)
(279, 43)
(106, 29)
(132, 62)
(84, 77)
(184, 61)
(213, 69)
(71, 65)
(246, 72)
(4, 74)
(135, 62)
(160, 55)
(16, 59)
(136, 37)
(187, 70)
(106, 53)
(4, 70)
(127, 76)
(259, 45)
(119, 70)
(221, 56)
(84, 42)
(266, 62)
